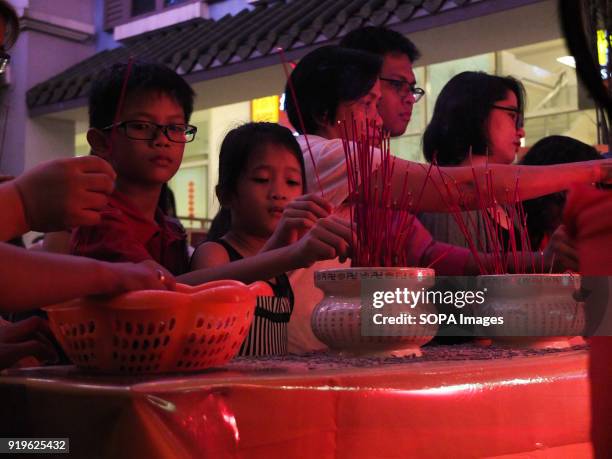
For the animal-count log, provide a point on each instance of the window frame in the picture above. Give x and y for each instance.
(119, 12)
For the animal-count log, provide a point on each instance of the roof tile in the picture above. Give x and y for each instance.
(200, 44)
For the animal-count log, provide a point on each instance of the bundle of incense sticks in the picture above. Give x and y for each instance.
(382, 224)
(494, 253)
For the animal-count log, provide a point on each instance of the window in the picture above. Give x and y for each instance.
(122, 12)
(439, 74)
(190, 187)
(142, 7)
(555, 105)
(172, 2)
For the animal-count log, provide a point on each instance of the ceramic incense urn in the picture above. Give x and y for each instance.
(538, 310)
(337, 319)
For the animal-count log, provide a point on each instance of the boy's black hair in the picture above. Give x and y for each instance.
(106, 90)
(458, 123)
(8, 13)
(324, 78)
(238, 145)
(380, 41)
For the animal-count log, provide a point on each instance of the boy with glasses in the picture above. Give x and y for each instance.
(145, 146)
(54, 195)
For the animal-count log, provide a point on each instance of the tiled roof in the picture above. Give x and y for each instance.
(197, 47)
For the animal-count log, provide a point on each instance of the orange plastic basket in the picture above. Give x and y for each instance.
(152, 331)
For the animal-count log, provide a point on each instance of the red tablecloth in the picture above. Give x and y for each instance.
(506, 406)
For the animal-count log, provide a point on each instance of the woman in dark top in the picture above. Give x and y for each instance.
(480, 114)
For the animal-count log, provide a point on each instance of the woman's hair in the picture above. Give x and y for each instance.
(7, 12)
(323, 79)
(459, 120)
(236, 148)
(544, 213)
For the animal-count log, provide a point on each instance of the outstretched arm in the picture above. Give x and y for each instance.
(34, 279)
(329, 238)
(451, 186)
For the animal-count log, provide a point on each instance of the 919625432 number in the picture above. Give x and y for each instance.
(34, 445)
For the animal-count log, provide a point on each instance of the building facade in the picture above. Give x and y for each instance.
(228, 51)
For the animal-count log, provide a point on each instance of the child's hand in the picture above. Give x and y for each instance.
(65, 193)
(298, 217)
(330, 237)
(27, 338)
(146, 275)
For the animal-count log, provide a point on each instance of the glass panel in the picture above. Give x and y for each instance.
(190, 186)
(142, 6)
(418, 119)
(439, 74)
(173, 2)
(81, 147)
(556, 104)
(408, 147)
(199, 148)
(551, 85)
(580, 125)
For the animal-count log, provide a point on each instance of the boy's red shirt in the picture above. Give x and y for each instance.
(124, 234)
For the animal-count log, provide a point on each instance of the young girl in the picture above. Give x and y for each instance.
(266, 227)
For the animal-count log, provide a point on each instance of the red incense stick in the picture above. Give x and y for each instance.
(126, 78)
(299, 114)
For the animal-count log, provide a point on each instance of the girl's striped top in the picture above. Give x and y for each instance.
(268, 333)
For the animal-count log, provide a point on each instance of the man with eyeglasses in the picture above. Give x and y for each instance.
(399, 91)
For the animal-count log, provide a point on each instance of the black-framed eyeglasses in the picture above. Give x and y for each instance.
(520, 118)
(5, 59)
(146, 130)
(403, 88)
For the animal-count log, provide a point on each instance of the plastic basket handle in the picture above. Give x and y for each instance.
(258, 288)
(191, 289)
(231, 293)
(261, 289)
